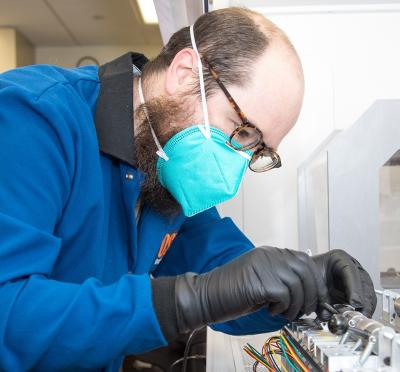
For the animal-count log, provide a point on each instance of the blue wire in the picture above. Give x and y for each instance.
(286, 357)
(295, 348)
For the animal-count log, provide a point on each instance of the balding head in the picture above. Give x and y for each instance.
(256, 63)
(229, 39)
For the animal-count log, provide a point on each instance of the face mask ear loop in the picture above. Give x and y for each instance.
(206, 129)
(160, 151)
(244, 154)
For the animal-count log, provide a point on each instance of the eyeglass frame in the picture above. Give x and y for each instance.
(245, 123)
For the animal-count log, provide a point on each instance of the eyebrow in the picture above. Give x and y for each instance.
(235, 116)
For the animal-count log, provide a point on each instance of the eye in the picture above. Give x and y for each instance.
(235, 124)
(244, 133)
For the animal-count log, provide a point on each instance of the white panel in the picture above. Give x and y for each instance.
(270, 212)
(349, 61)
(173, 15)
(389, 217)
(313, 200)
(354, 182)
(366, 62)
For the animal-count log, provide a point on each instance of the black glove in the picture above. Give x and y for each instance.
(285, 282)
(347, 281)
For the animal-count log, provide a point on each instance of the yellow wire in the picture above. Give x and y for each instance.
(295, 357)
(289, 352)
(280, 360)
(258, 360)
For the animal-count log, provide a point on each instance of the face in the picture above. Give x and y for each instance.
(271, 100)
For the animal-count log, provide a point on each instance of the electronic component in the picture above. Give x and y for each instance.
(365, 345)
(390, 309)
(348, 342)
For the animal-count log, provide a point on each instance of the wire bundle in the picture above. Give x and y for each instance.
(274, 349)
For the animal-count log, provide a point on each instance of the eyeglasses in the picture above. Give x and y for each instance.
(247, 136)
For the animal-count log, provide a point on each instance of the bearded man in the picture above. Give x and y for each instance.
(110, 241)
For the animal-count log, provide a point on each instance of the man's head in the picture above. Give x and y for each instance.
(255, 61)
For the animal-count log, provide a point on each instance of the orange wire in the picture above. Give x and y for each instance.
(280, 361)
(274, 342)
(258, 360)
(264, 351)
(295, 357)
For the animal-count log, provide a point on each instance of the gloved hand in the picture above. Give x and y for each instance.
(285, 282)
(347, 281)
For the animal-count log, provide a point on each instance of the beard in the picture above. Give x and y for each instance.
(168, 116)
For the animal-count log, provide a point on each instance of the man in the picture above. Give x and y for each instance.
(110, 241)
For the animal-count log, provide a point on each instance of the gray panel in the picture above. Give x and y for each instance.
(313, 200)
(175, 14)
(354, 161)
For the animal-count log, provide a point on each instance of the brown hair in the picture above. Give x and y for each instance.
(229, 39)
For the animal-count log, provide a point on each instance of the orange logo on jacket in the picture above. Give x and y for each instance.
(165, 245)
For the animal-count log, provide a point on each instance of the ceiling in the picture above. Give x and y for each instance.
(78, 22)
(114, 22)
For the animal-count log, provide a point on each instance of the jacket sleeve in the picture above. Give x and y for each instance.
(47, 324)
(204, 242)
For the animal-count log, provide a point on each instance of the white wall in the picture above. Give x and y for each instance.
(68, 56)
(350, 59)
(8, 55)
(15, 50)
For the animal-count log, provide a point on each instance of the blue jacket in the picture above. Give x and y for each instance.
(74, 266)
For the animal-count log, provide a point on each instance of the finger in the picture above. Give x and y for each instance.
(323, 314)
(320, 285)
(279, 299)
(369, 296)
(345, 271)
(301, 266)
(295, 286)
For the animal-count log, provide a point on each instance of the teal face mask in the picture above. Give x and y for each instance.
(197, 165)
(201, 172)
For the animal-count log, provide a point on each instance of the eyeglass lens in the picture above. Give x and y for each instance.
(263, 160)
(246, 138)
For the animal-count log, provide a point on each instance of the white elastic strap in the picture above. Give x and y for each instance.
(160, 151)
(205, 132)
(241, 153)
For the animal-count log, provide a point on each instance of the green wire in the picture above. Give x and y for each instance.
(284, 353)
(257, 353)
(295, 349)
(272, 356)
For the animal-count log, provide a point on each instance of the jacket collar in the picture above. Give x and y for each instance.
(114, 109)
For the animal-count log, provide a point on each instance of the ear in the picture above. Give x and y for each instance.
(180, 73)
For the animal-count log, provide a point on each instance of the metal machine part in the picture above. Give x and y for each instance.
(349, 342)
(352, 342)
(391, 309)
(352, 202)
